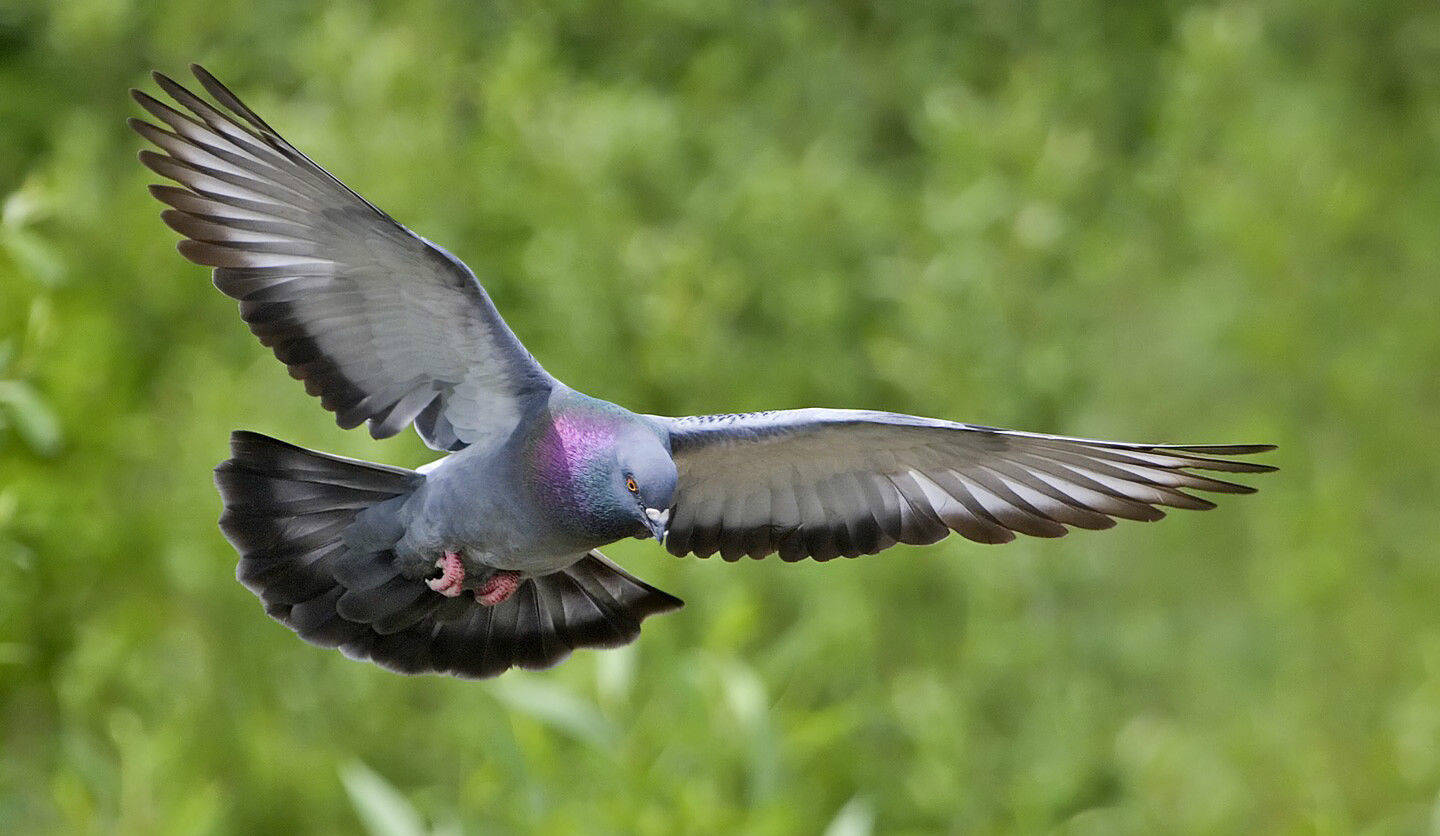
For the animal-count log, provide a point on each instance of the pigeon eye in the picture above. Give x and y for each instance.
(630, 484)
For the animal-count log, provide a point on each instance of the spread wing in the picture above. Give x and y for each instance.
(824, 482)
(381, 324)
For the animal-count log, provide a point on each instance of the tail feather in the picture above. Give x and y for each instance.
(542, 623)
(289, 512)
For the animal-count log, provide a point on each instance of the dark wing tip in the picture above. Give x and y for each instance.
(1201, 452)
(1196, 503)
(154, 161)
(208, 80)
(182, 222)
(164, 192)
(240, 437)
(659, 601)
(206, 254)
(227, 98)
(1222, 449)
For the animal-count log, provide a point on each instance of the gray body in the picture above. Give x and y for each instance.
(479, 503)
(468, 504)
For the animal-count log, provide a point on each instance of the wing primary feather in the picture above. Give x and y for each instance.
(1093, 494)
(962, 513)
(1162, 481)
(925, 526)
(1134, 488)
(980, 500)
(1005, 491)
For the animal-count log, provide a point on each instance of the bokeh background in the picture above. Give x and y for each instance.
(1147, 221)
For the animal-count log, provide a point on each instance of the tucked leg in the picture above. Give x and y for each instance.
(499, 587)
(452, 575)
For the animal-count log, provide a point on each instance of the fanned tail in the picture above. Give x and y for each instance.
(291, 514)
(593, 603)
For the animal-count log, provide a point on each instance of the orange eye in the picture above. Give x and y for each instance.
(630, 484)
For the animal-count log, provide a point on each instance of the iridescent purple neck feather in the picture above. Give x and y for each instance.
(575, 466)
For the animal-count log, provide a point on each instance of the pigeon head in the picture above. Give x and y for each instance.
(647, 476)
(605, 471)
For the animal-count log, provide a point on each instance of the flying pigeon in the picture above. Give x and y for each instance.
(488, 558)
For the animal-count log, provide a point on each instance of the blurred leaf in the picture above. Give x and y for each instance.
(23, 205)
(744, 693)
(33, 420)
(34, 255)
(9, 502)
(615, 674)
(381, 807)
(14, 653)
(856, 818)
(554, 706)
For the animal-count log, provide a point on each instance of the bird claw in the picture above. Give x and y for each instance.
(452, 575)
(498, 588)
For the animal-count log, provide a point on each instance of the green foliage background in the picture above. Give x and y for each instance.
(1163, 221)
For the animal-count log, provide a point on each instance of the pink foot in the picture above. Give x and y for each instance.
(452, 575)
(498, 588)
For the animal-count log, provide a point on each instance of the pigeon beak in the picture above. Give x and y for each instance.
(659, 522)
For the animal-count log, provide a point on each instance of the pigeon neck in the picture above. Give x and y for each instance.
(571, 458)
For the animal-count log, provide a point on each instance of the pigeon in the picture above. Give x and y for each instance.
(488, 558)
